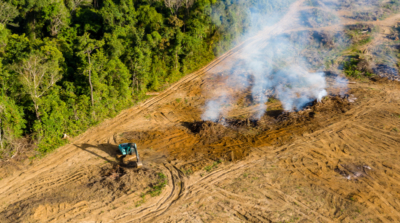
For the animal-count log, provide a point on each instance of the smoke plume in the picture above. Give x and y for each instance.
(276, 65)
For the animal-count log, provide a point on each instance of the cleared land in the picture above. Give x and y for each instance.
(334, 162)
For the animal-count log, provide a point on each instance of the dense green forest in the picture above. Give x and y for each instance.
(68, 65)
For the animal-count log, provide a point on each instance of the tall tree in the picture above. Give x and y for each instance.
(87, 47)
(174, 5)
(38, 74)
(8, 12)
(134, 46)
(11, 124)
(3, 38)
(58, 17)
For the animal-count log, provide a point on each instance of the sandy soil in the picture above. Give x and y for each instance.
(333, 162)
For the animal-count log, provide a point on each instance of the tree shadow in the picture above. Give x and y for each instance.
(112, 151)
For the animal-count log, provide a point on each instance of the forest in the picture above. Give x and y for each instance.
(68, 65)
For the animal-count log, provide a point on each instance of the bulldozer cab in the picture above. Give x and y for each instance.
(129, 152)
(127, 148)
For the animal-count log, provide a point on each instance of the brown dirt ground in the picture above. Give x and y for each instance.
(332, 162)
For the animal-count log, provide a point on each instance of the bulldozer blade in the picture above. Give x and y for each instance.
(129, 159)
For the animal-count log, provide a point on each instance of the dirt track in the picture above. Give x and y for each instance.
(336, 162)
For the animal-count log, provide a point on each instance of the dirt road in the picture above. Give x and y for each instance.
(336, 162)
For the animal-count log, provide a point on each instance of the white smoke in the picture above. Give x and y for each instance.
(214, 109)
(277, 69)
(295, 87)
(341, 84)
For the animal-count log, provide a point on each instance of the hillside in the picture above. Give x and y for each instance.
(332, 161)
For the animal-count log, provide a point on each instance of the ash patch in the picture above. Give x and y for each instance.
(353, 171)
(386, 71)
(211, 132)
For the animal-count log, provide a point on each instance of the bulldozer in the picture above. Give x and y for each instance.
(129, 154)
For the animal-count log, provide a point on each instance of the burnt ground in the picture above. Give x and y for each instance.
(334, 161)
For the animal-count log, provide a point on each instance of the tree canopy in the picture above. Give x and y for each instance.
(68, 65)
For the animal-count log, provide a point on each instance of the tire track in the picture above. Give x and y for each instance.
(63, 167)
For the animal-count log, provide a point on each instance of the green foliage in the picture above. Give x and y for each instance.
(350, 69)
(8, 12)
(187, 172)
(92, 61)
(142, 201)
(366, 40)
(4, 33)
(159, 186)
(360, 37)
(272, 100)
(52, 125)
(11, 124)
(213, 166)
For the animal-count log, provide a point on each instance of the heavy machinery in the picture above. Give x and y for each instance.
(129, 154)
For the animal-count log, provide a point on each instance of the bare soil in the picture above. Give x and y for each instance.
(334, 161)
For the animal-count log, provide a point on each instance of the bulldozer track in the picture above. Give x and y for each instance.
(298, 181)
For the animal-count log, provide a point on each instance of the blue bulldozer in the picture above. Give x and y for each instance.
(129, 154)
